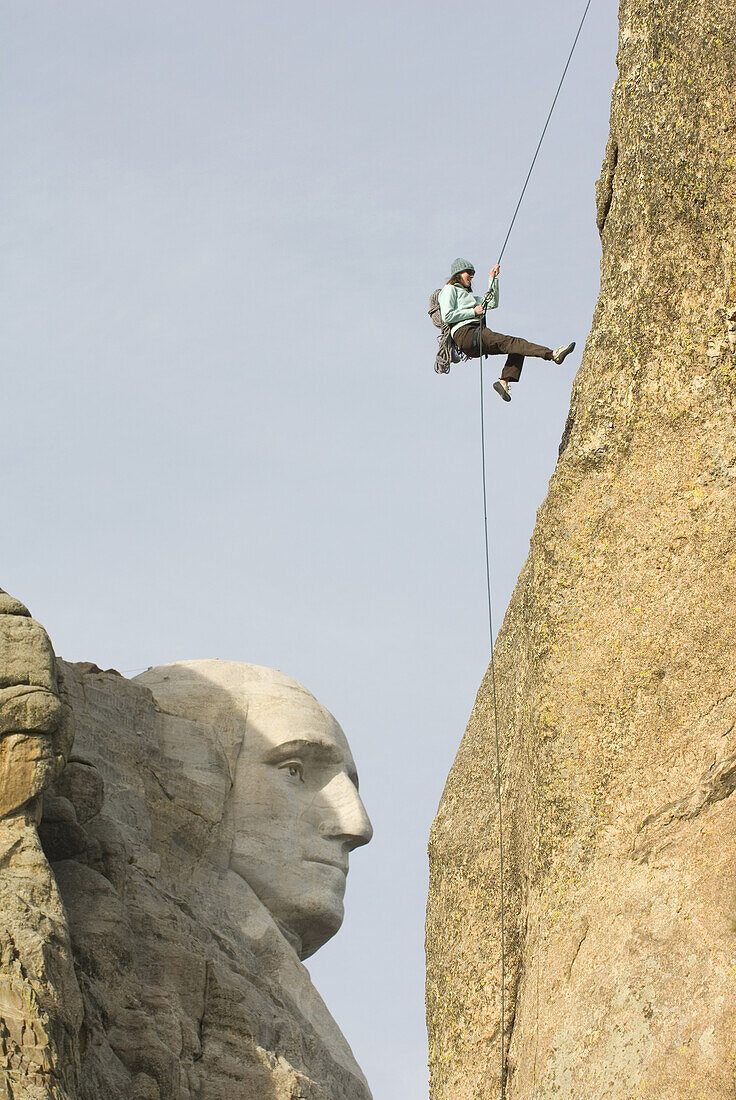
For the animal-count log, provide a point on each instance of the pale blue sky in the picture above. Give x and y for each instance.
(222, 434)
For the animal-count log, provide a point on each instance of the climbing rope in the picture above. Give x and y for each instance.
(481, 325)
(495, 721)
(544, 131)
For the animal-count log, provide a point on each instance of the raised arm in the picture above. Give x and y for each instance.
(492, 296)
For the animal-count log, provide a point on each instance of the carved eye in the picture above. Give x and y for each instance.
(294, 769)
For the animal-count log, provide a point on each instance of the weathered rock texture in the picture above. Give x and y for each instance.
(616, 663)
(40, 1003)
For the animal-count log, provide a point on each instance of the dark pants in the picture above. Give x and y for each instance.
(494, 343)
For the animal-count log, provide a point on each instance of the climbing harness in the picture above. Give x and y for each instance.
(481, 323)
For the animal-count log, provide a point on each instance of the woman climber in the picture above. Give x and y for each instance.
(464, 312)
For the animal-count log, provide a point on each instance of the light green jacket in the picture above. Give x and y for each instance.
(457, 305)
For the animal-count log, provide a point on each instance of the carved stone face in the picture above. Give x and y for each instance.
(292, 813)
(297, 815)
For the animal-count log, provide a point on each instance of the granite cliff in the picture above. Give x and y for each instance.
(616, 662)
(40, 1001)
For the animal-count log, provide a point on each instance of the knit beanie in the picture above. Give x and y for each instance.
(459, 265)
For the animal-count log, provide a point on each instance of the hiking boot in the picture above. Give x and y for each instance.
(502, 389)
(562, 353)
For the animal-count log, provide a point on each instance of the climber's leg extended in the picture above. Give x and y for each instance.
(495, 343)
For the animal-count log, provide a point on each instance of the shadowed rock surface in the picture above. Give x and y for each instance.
(616, 662)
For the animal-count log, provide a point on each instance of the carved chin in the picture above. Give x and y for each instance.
(305, 898)
(314, 915)
(317, 928)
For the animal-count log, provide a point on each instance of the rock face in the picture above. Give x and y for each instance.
(40, 1003)
(195, 848)
(616, 663)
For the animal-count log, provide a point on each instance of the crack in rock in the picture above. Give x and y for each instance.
(715, 784)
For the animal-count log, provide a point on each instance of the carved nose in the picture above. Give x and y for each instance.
(345, 817)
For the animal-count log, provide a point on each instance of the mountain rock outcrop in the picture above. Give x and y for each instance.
(40, 1001)
(616, 662)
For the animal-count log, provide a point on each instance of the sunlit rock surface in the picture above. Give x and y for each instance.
(616, 663)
